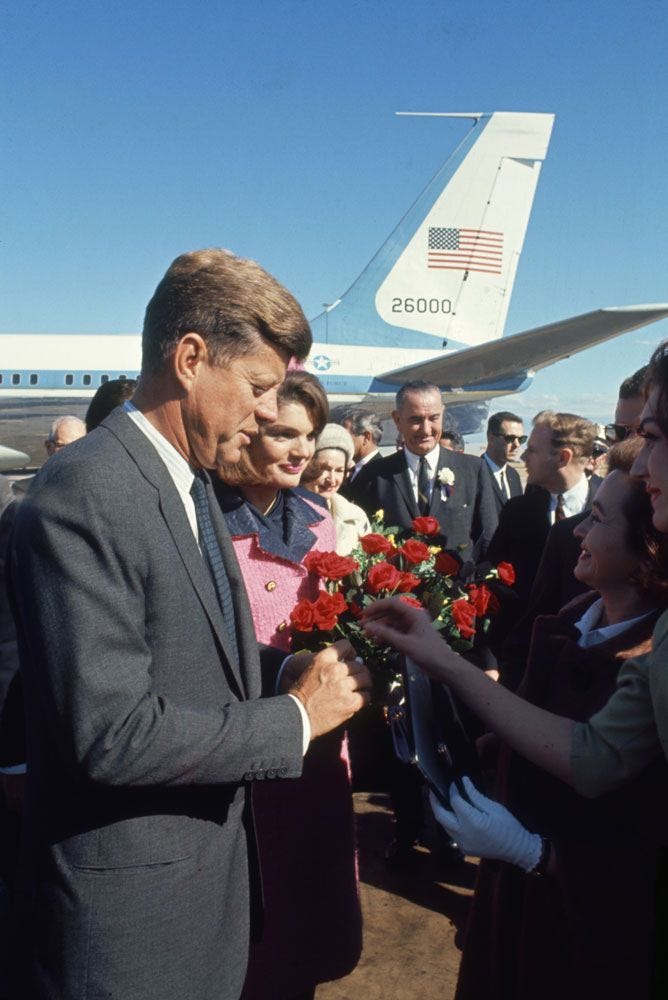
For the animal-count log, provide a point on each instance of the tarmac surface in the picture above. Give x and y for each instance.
(413, 919)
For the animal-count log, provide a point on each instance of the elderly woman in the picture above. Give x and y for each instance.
(324, 475)
(312, 918)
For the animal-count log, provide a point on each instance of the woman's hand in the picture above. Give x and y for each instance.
(410, 630)
(486, 829)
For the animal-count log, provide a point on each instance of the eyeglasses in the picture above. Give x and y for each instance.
(510, 438)
(617, 432)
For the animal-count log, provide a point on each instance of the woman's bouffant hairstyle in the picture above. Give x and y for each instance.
(641, 535)
(299, 387)
(230, 302)
(657, 378)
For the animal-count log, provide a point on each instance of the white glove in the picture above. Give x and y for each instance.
(485, 829)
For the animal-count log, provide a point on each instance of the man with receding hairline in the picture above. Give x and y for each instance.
(142, 676)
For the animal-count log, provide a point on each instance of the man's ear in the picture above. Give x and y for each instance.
(187, 359)
(565, 457)
(395, 417)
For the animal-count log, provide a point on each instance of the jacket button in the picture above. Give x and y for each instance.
(249, 775)
(260, 774)
(271, 772)
(282, 771)
(271, 585)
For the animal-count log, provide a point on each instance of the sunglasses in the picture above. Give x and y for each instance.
(510, 438)
(617, 432)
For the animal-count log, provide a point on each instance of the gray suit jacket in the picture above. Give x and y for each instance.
(143, 735)
(467, 516)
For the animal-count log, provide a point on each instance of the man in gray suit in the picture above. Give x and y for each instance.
(142, 675)
(425, 478)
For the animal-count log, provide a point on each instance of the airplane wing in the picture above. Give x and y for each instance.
(481, 372)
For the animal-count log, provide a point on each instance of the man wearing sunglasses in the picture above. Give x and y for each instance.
(629, 407)
(505, 437)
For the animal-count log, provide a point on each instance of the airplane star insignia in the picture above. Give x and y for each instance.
(321, 363)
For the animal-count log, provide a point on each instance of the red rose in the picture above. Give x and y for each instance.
(312, 562)
(414, 551)
(413, 601)
(463, 615)
(382, 576)
(480, 598)
(506, 573)
(408, 581)
(327, 609)
(446, 564)
(494, 606)
(373, 544)
(329, 565)
(303, 616)
(426, 525)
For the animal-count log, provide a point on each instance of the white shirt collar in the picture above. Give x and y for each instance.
(178, 468)
(367, 458)
(493, 466)
(432, 460)
(592, 636)
(574, 500)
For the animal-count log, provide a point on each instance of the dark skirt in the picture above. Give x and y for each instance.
(312, 918)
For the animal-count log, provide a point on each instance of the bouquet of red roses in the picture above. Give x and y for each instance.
(387, 562)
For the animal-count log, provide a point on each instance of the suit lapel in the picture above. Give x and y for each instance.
(435, 504)
(403, 486)
(154, 471)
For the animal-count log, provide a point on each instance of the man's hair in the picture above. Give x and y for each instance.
(450, 434)
(298, 387)
(419, 386)
(569, 431)
(642, 537)
(66, 419)
(657, 378)
(362, 421)
(496, 419)
(230, 302)
(110, 395)
(634, 385)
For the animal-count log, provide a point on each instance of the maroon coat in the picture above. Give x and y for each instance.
(587, 932)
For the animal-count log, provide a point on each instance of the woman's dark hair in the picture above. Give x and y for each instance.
(301, 387)
(110, 395)
(657, 378)
(641, 535)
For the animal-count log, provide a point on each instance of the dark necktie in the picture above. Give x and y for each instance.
(503, 482)
(423, 486)
(211, 552)
(559, 512)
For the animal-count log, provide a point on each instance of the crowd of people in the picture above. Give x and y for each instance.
(177, 782)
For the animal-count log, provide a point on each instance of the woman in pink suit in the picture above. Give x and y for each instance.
(312, 920)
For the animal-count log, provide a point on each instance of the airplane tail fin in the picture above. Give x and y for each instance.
(446, 273)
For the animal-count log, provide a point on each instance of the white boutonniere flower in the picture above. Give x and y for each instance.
(446, 477)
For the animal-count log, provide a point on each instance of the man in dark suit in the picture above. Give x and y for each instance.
(425, 478)
(142, 684)
(557, 488)
(505, 436)
(366, 430)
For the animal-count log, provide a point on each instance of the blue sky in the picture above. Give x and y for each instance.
(135, 131)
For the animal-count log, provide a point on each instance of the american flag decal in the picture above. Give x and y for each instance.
(465, 250)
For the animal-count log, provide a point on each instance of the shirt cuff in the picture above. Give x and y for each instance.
(306, 723)
(14, 769)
